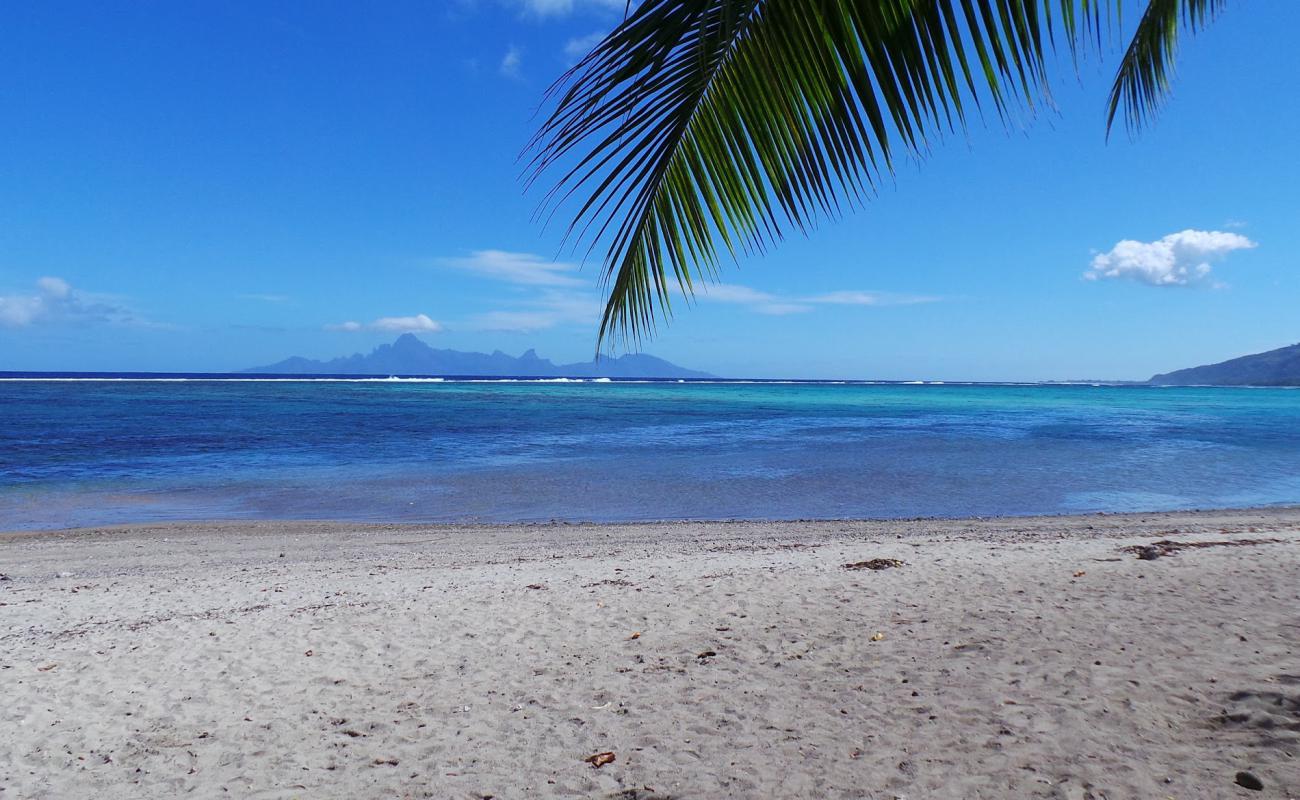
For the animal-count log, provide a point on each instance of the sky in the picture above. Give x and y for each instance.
(209, 186)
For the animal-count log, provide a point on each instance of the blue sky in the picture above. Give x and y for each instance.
(209, 186)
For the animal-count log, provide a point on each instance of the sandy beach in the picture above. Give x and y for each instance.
(1004, 658)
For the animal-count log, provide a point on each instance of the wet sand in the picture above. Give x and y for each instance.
(1006, 658)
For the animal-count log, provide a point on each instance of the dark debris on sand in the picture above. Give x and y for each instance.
(1168, 547)
(875, 564)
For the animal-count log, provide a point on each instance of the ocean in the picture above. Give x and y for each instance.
(79, 451)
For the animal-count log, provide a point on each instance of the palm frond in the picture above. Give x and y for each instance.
(1142, 80)
(700, 129)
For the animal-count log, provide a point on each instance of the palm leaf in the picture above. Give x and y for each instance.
(1142, 81)
(704, 128)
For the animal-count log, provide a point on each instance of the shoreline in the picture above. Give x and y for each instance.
(1007, 657)
(1267, 513)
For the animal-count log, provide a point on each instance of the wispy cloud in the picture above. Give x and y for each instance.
(550, 293)
(1179, 259)
(525, 269)
(576, 48)
(54, 300)
(859, 298)
(561, 297)
(779, 305)
(259, 328)
(563, 8)
(419, 323)
(511, 62)
(754, 299)
(551, 308)
(265, 298)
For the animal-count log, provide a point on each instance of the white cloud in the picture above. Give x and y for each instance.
(576, 48)
(525, 269)
(55, 300)
(1179, 259)
(419, 323)
(511, 62)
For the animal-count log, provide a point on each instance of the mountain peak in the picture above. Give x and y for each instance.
(409, 355)
(1280, 367)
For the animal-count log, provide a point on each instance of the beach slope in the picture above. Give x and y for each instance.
(1010, 658)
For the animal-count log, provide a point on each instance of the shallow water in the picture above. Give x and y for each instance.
(91, 452)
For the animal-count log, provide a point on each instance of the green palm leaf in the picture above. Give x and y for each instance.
(1142, 80)
(700, 128)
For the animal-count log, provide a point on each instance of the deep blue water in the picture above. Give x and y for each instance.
(90, 452)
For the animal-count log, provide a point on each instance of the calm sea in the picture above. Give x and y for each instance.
(83, 452)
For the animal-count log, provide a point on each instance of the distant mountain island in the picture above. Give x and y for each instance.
(410, 356)
(1280, 367)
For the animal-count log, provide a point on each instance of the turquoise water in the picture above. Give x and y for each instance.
(90, 452)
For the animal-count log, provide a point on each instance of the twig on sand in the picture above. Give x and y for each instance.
(599, 760)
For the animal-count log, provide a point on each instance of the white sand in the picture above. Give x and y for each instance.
(401, 661)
